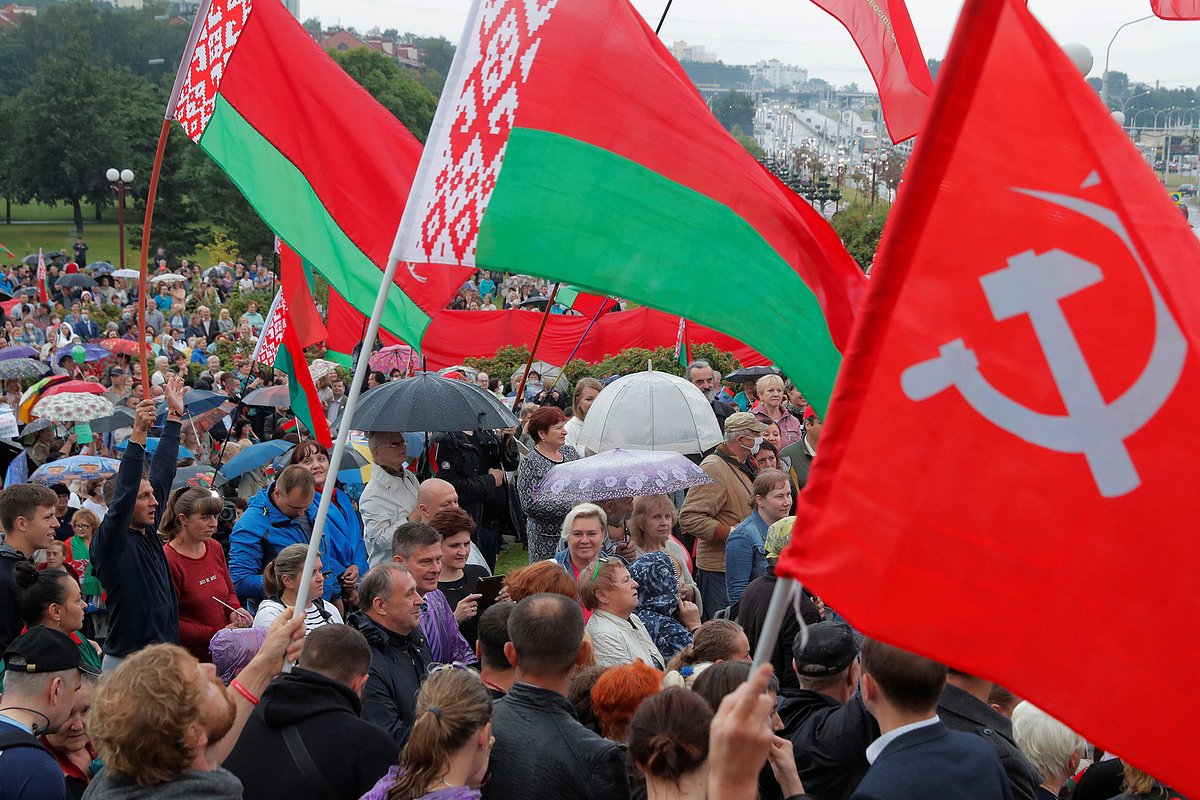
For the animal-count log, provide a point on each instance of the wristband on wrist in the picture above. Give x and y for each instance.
(236, 685)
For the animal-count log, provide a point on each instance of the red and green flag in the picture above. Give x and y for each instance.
(683, 347)
(287, 330)
(571, 145)
(325, 165)
(10, 253)
(43, 286)
(586, 303)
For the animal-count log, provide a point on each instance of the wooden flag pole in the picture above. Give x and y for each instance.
(533, 350)
(143, 296)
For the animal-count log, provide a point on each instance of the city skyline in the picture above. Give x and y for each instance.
(803, 35)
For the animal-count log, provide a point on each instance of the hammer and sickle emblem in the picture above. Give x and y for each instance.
(1034, 284)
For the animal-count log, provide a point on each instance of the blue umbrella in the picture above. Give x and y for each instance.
(195, 403)
(152, 445)
(75, 468)
(101, 267)
(251, 458)
(17, 351)
(94, 352)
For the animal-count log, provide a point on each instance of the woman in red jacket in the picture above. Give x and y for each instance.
(207, 601)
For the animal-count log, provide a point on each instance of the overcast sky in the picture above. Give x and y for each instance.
(797, 32)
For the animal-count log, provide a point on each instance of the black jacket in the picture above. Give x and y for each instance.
(349, 753)
(752, 613)
(142, 606)
(399, 665)
(565, 761)
(934, 761)
(962, 711)
(830, 745)
(464, 462)
(10, 620)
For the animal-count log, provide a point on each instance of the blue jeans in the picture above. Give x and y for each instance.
(712, 591)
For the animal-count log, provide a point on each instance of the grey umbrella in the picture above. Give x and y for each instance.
(429, 402)
(122, 417)
(76, 279)
(750, 374)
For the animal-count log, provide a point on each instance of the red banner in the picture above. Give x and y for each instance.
(455, 335)
(1035, 522)
(885, 36)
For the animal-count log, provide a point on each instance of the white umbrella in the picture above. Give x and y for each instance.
(167, 278)
(650, 411)
(126, 273)
(551, 375)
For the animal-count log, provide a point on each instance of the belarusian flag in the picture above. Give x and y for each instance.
(279, 347)
(10, 253)
(683, 348)
(570, 144)
(325, 165)
(1045, 509)
(1176, 9)
(42, 284)
(587, 304)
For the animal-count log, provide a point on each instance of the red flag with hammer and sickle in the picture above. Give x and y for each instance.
(1007, 480)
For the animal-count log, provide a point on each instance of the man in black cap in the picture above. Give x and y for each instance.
(826, 721)
(42, 675)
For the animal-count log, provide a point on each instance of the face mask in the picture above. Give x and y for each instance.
(86, 315)
(754, 448)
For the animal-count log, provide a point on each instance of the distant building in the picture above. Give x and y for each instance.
(777, 76)
(10, 15)
(692, 52)
(134, 4)
(405, 54)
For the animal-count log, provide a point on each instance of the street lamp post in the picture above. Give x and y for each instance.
(1108, 52)
(119, 180)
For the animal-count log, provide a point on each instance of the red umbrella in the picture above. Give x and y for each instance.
(84, 387)
(126, 346)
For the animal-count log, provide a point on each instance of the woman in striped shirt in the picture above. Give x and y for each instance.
(281, 580)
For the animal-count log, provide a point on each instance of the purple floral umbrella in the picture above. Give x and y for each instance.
(620, 473)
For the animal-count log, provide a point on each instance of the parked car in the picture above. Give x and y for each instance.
(1187, 189)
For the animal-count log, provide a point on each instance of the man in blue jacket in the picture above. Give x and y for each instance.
(127, 555)
(917, 756)
(275, 517)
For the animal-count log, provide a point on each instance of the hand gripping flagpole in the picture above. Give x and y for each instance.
(339, 446)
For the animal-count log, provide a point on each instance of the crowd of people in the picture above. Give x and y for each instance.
(155, 643)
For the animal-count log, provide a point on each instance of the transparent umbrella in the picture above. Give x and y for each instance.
(650, 411)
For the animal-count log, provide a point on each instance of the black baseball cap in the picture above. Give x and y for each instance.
(831, 647)
(42, 649)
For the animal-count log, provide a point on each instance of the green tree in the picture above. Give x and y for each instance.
(313, 26)
(860, 225)
(64, 131)
(750, 143)
(396, 89)
(437, 52)
(733, 108)
(934, 65)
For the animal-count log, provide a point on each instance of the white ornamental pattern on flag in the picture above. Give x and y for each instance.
(223, 24)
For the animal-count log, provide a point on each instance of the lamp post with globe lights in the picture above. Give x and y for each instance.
(119, 180)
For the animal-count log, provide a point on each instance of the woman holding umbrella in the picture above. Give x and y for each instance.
(547, 428)
(344, 542)
(586, 390)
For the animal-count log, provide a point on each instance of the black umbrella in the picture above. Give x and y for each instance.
(429, 402)
(121, 418)
(750, 373)
(30, 290)
(216, 272)
(52, 256)
(537, 301)
(74, 279)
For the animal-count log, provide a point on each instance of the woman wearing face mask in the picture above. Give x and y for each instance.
(745, 549)
(207, 600)
(770, 408)
(30, 335)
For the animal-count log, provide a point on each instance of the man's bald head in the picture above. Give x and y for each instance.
(434, 495)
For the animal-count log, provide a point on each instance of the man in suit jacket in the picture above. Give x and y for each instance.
(917, 757)
(964, 707)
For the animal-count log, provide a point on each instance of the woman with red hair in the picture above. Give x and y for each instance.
(617, 695)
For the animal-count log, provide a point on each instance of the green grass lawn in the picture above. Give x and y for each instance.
(54, 229)
(512, 556)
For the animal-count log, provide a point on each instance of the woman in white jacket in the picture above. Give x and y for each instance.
(618, 636)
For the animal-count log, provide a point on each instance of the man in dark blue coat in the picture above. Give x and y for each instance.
(917, 757)
(127, 554)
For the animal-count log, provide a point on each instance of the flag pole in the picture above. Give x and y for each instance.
(533, 350)
(152, 193)
(663, 18)
(773, 622)
(339, 446)
(586, 331)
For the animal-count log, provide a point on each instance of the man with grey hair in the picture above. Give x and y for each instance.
(700, 373)
(390, 497)
(1052, 748)
(400, 657)
(711, 511)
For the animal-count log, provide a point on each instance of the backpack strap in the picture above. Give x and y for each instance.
(304, 762)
